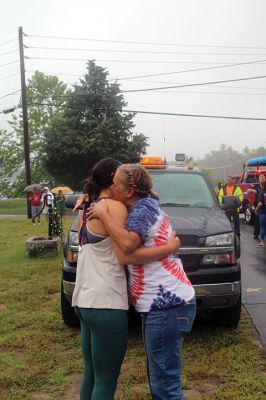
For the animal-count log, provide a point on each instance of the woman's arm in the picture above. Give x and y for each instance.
(144, 255)
(259, 205)
(141, 255)
(83, 198)
(127, 241)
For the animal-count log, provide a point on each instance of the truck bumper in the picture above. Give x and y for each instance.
(217, 295)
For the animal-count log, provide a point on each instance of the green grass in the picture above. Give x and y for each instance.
(13, 207)
(40, 357)
(17, 207)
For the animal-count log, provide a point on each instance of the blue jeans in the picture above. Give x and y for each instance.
(163, 335)
(262, 219)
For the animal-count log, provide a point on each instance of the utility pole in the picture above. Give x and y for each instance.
(25, 115)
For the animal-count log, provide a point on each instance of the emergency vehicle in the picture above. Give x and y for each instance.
(248, 179)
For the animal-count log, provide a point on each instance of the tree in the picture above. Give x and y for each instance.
(42, 92)
(91, 127)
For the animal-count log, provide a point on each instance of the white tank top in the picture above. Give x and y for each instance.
(101, 280)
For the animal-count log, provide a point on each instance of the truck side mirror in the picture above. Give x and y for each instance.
(230, 202)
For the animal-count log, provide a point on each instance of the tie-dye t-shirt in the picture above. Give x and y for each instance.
(161, 284)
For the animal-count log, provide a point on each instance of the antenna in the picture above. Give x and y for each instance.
(164, 131)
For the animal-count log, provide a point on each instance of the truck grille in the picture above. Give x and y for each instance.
(189, 240)
(188, 260)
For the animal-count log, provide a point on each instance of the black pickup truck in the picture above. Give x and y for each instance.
(209, 247)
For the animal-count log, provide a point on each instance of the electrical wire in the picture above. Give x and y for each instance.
(121, 61)
(228, 165)
(145, 43)
(9, 52)
(131, 61)
(8, 41)
(12, 62)
(194, 84)
(10, 94)
(8, 76)
(142, 51)
(179, 72)
(151, 112)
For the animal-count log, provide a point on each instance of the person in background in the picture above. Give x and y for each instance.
(100, 296)
(47, 201)
(35, 201)
(261, 212)
(230, 189)
(159, 290)
(60, 204)
(256, 190)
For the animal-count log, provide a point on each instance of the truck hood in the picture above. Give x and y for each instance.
(198, 221)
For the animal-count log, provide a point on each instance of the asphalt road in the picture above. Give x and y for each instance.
(253, 263)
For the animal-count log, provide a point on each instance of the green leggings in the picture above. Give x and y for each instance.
(104, 340)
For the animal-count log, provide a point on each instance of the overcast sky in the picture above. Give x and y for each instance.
(193, 34)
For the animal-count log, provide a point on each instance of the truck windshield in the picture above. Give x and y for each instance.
(182, 189)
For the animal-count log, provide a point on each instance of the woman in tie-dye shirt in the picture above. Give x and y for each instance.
(159, 290)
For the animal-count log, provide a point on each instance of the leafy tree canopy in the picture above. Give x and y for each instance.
(91, 127)
(42, 92)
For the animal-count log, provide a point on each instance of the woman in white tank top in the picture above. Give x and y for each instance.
(100, 296)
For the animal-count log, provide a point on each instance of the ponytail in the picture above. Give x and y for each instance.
(91, 187)
(154, 195)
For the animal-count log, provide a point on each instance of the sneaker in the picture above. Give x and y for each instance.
(255, 237)
(261, 244)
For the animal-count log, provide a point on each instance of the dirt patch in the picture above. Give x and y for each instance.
(72, 392)
(3, 307)
(205, 387)
(41, 396)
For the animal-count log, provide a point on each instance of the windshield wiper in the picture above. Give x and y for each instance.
(175, 204)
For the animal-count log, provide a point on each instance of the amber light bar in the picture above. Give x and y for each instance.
(152, 162)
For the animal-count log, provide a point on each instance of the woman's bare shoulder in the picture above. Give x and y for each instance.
(115, 204)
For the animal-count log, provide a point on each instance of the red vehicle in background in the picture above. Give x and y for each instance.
(249, 179)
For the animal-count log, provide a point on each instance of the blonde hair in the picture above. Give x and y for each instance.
(138, 178)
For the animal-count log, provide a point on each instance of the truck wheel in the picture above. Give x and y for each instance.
(249, 217)
(68, 312)
(228, 317)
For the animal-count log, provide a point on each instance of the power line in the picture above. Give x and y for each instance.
(9, 52)
(193, 84)
(10, 94)
(192, 70)
(12, 62)
(8, 41)
(151, 112)
(146, 43)
(166, 91)
(8, 76)
(175, 72)
(132, 61)
(218, 86)
(141, 51)
(228, 165)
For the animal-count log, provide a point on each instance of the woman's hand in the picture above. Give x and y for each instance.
(98, 210)
(81, 200)
(173, 242)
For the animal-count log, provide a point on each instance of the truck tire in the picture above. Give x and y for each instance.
(228, 317)
(249, 216)
(68, 313)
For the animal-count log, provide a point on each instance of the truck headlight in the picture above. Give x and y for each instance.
(226, 239)
(73, 238)
(227, 258)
